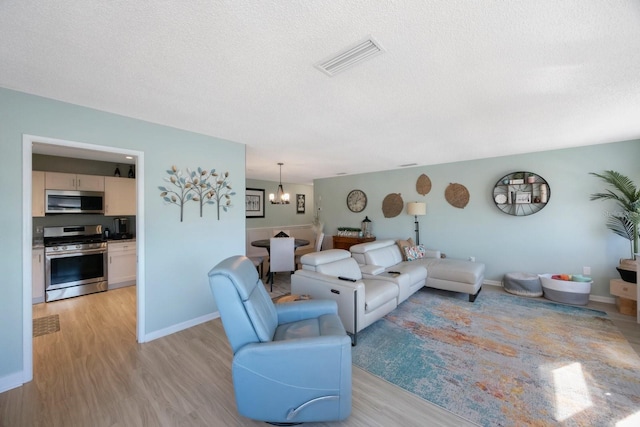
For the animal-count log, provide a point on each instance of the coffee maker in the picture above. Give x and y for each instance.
(121, 228)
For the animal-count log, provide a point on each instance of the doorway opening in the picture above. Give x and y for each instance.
(43, 145)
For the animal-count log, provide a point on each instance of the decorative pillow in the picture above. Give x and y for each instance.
(404, 244)
(415, 252)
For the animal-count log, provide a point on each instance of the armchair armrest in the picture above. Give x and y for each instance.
(350, 296)
(301, 310)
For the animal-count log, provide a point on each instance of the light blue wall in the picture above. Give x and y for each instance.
(178, 255)
(280, 215)
(566, 235)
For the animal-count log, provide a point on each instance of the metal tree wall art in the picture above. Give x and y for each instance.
(179, 196)
(197, 186)
(220, 190)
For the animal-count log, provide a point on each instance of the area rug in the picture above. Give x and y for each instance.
(46, 325)
(506, 360)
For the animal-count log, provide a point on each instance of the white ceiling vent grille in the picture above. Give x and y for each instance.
(350, 56)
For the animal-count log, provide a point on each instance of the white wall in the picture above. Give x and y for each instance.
(178, 254)
(566, 235)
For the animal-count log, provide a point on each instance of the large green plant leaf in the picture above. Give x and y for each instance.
(627, 196)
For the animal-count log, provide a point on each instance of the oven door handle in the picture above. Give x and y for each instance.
(64, 254)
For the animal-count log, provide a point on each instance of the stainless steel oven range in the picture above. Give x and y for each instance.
(75, 261)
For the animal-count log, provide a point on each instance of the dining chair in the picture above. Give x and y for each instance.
(277, 231)
(281, 256)
(317, 248)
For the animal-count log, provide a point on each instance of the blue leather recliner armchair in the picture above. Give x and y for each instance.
(292, 361)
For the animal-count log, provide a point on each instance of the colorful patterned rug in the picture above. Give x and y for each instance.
(506, 360)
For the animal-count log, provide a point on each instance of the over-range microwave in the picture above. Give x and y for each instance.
(72, 201)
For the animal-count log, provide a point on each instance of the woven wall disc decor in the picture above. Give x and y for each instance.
(423, 185)
(457, 195)
(392, 205)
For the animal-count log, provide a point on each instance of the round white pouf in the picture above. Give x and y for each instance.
(523, 284)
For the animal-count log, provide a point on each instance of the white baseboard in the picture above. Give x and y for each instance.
(124, 284)
(608, 300)
(492, 283)
(180, 326)
(11, 381)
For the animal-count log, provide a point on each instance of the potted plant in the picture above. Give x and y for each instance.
(625, 222)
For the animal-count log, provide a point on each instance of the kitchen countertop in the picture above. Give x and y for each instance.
(133, 239)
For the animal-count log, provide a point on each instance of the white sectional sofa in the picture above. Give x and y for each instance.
(372, 279)
(441, 273)
(334, 274)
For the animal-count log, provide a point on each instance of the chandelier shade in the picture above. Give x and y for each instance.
(280, 197)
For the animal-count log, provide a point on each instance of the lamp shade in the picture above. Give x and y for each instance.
(416, 208)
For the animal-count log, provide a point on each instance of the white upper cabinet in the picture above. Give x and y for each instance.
(37, 193)
(72, 181)
(119, 196)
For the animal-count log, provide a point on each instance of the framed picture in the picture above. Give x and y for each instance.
(254, 203)
(300, 203)
(523, 197)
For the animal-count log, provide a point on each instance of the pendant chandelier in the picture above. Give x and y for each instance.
(280, 198)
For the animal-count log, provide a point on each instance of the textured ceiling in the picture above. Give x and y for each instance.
(458, 80)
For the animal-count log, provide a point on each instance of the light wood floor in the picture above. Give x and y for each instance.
(93, 373)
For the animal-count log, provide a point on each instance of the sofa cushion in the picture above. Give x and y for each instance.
(327, 324)
(417, 273)
(455, 270)
(342, 268)
(384, 253)
(413, 253)
(403, 244)
(377, 293)
(312, 260)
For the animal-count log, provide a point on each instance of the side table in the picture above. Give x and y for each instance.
(626, 296)
(344, 242)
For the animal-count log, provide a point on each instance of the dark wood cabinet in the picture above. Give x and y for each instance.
(343, 242)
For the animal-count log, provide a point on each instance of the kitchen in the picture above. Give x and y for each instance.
(84, 214)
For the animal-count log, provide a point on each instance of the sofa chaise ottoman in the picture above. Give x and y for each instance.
(442, 273)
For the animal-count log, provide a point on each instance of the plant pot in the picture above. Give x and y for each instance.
(628, 275)
(628, 270)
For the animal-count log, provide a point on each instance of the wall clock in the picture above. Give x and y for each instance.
(356, 201)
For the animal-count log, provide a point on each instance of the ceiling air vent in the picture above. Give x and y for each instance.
(350, 56)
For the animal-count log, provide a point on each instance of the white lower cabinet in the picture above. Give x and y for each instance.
(37, 276)
(121, 266)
